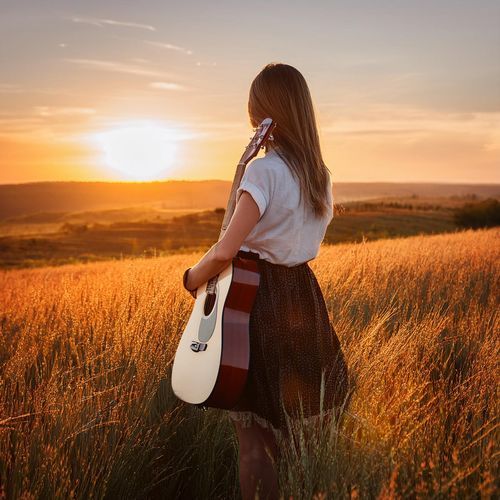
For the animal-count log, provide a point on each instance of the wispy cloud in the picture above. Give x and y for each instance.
(169, 46)
(415, 123)
(7, 88)
(12, 124)
(351, 60)
(47, 123)
(111, 22)
(47, 111)
(211, 130)
(26, 128)
(118, 67)
(199, 63)
(167, 86)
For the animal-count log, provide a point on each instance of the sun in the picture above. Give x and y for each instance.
(140, 151)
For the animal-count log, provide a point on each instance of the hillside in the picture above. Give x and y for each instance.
(50, 238)
(31, 198)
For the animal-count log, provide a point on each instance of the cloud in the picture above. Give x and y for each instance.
(396, 119)
(47, 111)
(102, 22)
(412, 125)
(198, 63)
(118, 67)
(7, 88)
(167, 86)
(47, 123)
(16, 123)
(350, 60)
(169, 46)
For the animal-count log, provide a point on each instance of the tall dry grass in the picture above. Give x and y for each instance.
(86, 408)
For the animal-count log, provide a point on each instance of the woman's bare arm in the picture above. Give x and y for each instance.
(245, 217)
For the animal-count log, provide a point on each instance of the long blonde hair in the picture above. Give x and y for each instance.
(280, 92)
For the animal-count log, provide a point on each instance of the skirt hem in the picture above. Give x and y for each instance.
(248, 418)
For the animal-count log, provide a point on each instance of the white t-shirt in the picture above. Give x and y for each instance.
(287, 233)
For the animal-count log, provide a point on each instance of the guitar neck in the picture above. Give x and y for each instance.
(231, 204)
(258, 140)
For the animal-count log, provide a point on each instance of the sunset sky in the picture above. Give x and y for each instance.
(157, 89)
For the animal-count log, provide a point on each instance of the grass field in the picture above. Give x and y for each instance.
(87, 410)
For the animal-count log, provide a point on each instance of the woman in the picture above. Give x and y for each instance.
(284, 205)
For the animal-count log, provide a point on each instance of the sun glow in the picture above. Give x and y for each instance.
(139, 150)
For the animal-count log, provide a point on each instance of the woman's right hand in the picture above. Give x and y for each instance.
(184, 283)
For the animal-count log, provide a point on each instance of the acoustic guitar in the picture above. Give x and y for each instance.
(211, 362)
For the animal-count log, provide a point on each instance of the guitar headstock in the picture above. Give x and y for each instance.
(258, 141)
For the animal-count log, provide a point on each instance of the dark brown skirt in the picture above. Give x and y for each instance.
(292, 346)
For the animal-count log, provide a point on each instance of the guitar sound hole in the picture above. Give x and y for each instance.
(209, 303)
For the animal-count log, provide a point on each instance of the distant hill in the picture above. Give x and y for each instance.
(31, 198)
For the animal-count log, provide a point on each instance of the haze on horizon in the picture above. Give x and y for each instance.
(406, 92)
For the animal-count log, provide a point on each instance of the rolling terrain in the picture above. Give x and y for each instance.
(51, 238)
(32, 198)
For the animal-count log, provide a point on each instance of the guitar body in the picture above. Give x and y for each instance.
(211, 363)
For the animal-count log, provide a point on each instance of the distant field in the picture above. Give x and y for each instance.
(32, 198)
(392, 217)
(52, 222)
(87, 410)
(51, 238)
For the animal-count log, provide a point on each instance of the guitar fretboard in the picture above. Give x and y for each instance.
(264, 131)
(231, 205)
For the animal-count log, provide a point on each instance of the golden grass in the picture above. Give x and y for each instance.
(86, 408)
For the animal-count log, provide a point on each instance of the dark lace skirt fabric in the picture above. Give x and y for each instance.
(292, 346)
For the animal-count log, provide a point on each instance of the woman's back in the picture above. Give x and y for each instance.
(297, 368)
(288, 232)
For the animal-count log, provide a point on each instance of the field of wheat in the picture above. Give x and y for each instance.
(87, 411)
